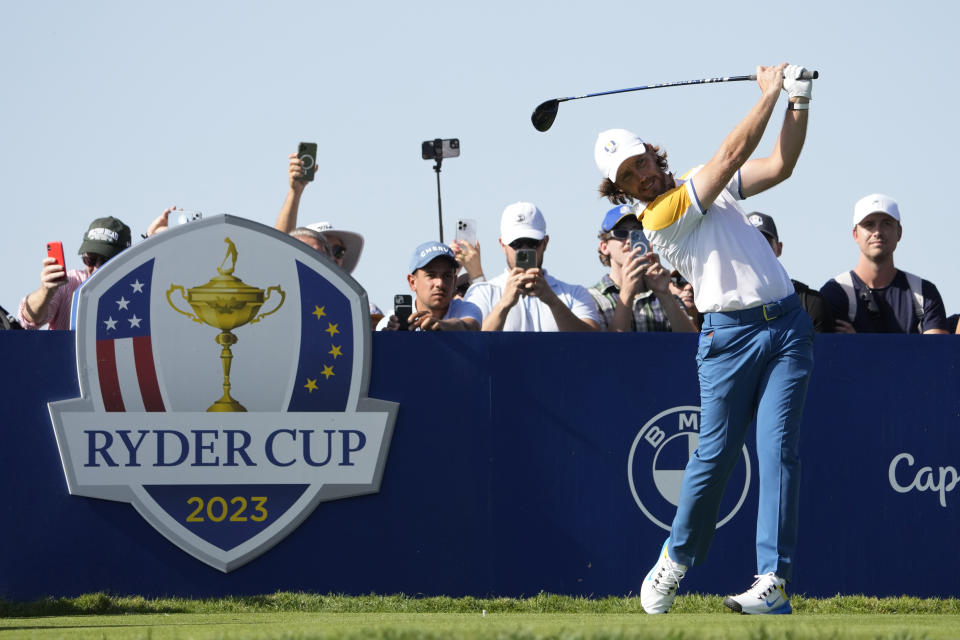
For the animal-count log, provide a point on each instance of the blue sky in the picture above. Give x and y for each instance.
(123, 109)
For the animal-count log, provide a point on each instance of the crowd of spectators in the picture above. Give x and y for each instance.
(637, 293)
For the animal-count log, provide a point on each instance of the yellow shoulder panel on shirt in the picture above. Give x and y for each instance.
(666, 209)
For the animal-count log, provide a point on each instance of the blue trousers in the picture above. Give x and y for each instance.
(754, 362)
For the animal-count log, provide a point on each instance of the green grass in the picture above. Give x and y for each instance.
(307, 616)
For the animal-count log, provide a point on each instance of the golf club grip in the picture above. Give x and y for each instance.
(806, 75)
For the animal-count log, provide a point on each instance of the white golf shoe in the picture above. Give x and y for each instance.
(660, 586)
(766, 595)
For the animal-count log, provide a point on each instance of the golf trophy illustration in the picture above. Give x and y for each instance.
(225, 303)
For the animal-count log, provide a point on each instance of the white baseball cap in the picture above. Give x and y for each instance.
(875, 203)
(613, 147)
(522, 220)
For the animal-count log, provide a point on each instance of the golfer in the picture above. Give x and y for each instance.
(756, 345)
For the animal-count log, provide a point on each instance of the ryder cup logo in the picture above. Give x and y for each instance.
(223, 371)
(657, 461)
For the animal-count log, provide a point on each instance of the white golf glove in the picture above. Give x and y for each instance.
(795, 87)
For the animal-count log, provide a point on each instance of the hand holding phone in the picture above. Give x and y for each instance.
(403, 309)
(55, 251)
(307, 152)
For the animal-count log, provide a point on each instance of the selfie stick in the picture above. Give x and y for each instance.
(436, 167)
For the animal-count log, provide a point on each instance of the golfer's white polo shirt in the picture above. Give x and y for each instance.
(729, 263)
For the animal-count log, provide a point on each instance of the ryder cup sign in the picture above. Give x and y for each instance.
(223, 371)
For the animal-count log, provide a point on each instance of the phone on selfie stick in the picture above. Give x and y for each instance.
(403, 308)
(55, 251)
(307, 152)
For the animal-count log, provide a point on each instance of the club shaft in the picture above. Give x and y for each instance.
(679, 83)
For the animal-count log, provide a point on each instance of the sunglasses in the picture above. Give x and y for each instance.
(619, 234)
(679, 280)
(524, 243)
(94, 259)
(866, 296)
(338, 251)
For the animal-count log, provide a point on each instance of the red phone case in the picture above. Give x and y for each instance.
(55, 250)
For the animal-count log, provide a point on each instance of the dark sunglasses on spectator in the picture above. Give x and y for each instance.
(679, 280)
(619, 234)
(339, 251)
(524, 243)
(94, 259)
(866, 296)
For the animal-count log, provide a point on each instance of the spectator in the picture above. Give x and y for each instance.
(813, 303)
(530, 299)
(680, 287)
(876, 297)
(314, 239)
(345, 246)
(431, 278)
(50, 304)
(635, 295)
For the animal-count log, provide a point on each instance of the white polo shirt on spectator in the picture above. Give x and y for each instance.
(530, 313)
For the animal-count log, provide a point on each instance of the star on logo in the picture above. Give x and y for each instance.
(335, 351)
(319, 311)
(331, 329)
(122, 302)
(327, 371)
(137, 286)
(111, 323)
(134, 321)
(311, 385)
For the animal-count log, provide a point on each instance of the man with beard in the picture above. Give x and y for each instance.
(756, 344)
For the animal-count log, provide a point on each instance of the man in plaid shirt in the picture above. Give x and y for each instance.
(635, 295)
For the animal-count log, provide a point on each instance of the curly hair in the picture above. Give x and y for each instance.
(608, 188)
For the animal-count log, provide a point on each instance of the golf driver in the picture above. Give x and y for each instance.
(544, 115)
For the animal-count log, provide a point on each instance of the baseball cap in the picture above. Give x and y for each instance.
(764, 224)
(613, 147)
(429, 251)
(615, 215)
(875, 203)
(106, 237)
(352, 241)
(522, 220)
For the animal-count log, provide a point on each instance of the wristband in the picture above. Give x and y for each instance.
(798, 106)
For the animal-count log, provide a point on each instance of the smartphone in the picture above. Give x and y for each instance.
(307, 152)
(527, 258)
(638, 239)
(403, 308)
(467, 231)
(437, 148)
(184, 217)
(55, 251)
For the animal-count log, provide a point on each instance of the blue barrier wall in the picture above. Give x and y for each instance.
(509, 473)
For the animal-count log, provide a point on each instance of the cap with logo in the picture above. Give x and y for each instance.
(353, 242)
(522, 220)
(613, 147)
(105, 237)
(615, 216)
(429, 251)
(875, 203)
(764, 224)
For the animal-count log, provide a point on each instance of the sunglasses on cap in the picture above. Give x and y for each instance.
(525, 243)
(338, 251)
(94, 259)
